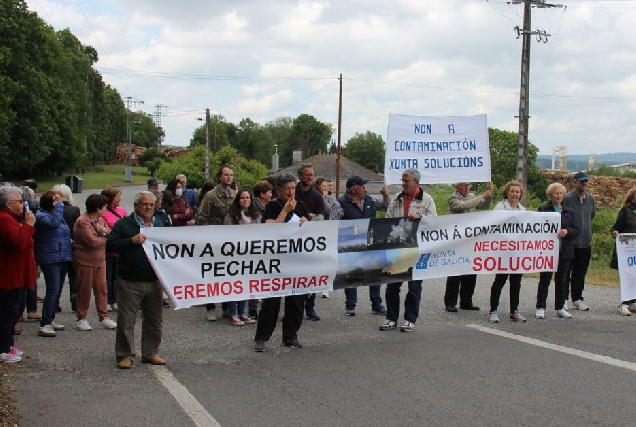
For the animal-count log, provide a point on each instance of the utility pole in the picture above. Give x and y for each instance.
(524, 97)
(157, 119)
(339, 139)
(130, 103)
(207, 144)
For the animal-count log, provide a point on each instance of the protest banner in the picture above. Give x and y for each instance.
(203, 264)
(197, 265)
(443, 149)
(626, 255)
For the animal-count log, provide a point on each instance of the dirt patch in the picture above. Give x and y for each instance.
(9, 415)
(608, 191)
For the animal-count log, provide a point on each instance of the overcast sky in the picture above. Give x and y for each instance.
(265, 59)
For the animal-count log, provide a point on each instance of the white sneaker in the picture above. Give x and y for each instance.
(632, 306)
(493, 317)
(10, 357)
(114, 307)
(325, 294)
(46, 331)
(83, 325)
(623, 309)
(580, 305)
(108, 324)
(540, 313)
(109, 307)
(565, 304)
(563, 314)
(57, 326)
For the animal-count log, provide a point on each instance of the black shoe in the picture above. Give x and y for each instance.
(74, 302)
(253, 314)
(166, 304)
(58, 309)
(469, 307)
(292, 343)
(312, 315)
(451, 309)
(225, 314)
(259, 346)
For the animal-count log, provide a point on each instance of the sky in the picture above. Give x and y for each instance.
(273, 58)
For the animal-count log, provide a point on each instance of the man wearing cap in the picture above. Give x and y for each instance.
(414, 203)
(153, 185)
(584, 206)
(357, 204)
(306, 193)
(463, 201)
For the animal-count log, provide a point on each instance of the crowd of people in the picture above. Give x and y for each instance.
(101, 252)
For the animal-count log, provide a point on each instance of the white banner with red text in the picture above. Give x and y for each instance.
(626, 255)
(204, 264)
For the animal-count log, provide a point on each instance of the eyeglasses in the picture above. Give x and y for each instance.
(16, 200)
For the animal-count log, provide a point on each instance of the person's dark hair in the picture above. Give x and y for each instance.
(272, 181)
(31, 183)
(235, 208)
(47, 200)
(172, 186)
(261, 187)
(207, 186)
(110, 193)
(219, 173)
(167, 202)
(95, 202)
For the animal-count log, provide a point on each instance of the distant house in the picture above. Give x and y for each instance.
(325, 166)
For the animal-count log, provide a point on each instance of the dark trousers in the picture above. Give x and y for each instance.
(464, 286)
(111, 279)
(9, 313)
(351, 297)
(411, 302)
(72, 281)
(29, 301)
(560, 285)
(578, 270)
(497, 286)
(310, 303)
(268, 316)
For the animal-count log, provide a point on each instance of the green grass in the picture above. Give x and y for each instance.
(98, 177)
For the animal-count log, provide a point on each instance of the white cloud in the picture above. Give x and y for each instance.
(264, 59)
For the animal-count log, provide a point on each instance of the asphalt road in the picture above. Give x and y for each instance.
(453, 369)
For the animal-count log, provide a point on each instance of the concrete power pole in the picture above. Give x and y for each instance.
(524, 96)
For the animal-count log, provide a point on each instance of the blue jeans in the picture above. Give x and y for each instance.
(54, 276)
(236, 308)
(351, 297)
(411, 302)
(111, 279)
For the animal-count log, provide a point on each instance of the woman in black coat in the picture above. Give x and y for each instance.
(569, 230)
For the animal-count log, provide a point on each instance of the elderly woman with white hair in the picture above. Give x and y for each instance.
(70, 213)
(16, 248)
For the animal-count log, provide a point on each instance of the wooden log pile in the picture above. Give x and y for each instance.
(120, 154)
(609, 191)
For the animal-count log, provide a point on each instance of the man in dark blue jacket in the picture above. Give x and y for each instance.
(357, 204)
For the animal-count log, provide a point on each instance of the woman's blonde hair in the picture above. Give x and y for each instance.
(513, 183)
(553, 187)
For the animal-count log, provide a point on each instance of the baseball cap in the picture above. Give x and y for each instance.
(356, 180)
(581, 176)
(153, 181)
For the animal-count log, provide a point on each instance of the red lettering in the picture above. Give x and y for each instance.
(177, 292)
(323, 280)
(189, 291)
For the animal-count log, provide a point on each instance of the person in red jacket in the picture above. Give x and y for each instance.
(17, 264)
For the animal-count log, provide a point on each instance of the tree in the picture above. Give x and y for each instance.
(503, 158)
(309, 135)
(152, 159)
(220, 130)
(366, 149)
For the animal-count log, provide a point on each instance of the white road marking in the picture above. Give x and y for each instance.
(571, 351)
(187, 401)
